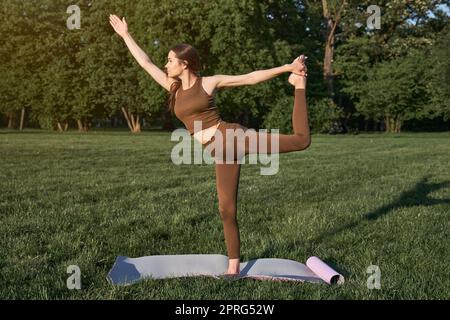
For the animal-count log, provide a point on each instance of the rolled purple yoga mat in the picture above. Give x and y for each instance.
(324, 271)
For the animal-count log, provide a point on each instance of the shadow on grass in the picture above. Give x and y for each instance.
(418, 195)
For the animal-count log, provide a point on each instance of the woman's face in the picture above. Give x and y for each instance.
(174, 66)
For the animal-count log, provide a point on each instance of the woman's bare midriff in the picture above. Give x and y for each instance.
(203, 136)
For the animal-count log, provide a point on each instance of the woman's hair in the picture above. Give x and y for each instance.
(186, 52)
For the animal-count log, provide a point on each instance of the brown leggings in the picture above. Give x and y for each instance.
(227, 174)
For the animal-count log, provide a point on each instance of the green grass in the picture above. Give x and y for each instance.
(83, 199)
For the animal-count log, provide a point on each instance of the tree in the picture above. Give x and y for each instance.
(20, 85)
(332, 13)
(438, 73)
(404, 30)
(395, 91)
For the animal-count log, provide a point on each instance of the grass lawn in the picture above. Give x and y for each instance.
(355, 201)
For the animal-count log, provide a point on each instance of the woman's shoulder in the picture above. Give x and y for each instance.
(209, 85)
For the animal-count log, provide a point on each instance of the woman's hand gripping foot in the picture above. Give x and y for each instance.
(299, 79)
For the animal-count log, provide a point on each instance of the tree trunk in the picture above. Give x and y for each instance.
(332, 23)
(62, 127)
(125, 113)
(392, 124)
(22, 116)
(398, 125)
(133, 123)
(11, 116)
(327, 63)
(80, 125)
(387, 124)
(83, 126)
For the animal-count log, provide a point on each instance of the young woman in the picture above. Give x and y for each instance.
(192, 99)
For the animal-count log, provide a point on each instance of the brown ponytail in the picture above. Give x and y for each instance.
(186, 52)
(173, 90)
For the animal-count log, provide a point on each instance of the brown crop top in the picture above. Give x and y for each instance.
(194, 104)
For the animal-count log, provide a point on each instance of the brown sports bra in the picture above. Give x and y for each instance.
(194, 104)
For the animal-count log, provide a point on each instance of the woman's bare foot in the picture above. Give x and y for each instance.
(298, 81)
(233, 267)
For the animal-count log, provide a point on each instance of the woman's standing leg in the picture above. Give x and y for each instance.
(227, 174)
(227, 182)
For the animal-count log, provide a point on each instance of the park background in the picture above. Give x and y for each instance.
(395, 78)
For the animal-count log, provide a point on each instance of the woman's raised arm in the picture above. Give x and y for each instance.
(121, 27)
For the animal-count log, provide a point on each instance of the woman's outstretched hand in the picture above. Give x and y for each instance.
(120, 26)
(298, 66)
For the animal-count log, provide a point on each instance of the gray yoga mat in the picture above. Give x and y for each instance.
(127, 271)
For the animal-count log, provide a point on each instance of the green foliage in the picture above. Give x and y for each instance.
(232, 37)
(393, 87)
(387, 73)
(20, 82)
(438, 73)
(65, 75)
(324, 115)
(280, 116)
